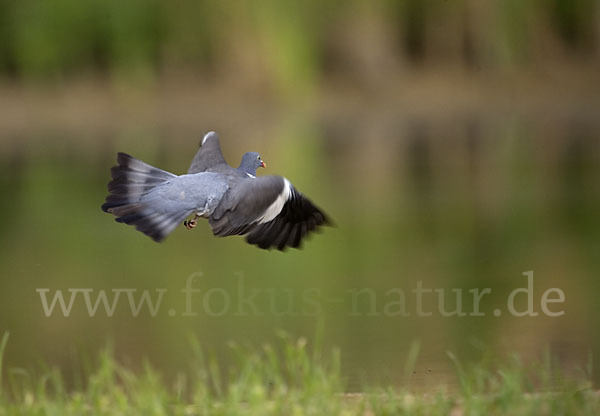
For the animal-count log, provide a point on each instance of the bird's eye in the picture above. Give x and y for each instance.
(257, 157)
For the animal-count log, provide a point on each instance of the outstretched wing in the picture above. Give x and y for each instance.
(209, 155)
(269, 210)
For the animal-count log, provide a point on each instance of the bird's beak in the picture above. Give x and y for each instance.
(263, 164)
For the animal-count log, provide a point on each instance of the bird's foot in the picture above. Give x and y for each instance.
(190, 224)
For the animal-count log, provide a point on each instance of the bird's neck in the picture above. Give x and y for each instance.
(247, 171)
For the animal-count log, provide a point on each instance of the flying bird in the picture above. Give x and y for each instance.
(268, 210)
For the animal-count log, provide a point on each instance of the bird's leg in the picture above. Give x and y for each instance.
(191, 223)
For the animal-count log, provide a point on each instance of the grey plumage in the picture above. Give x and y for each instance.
(209, 157)
(268, 210)
(250, 162)
(156, 201)
(242, 208)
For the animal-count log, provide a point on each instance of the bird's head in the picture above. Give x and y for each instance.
(250, 162)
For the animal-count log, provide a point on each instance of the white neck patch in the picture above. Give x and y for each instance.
(250, 175)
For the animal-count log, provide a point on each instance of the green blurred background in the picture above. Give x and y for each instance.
(453, 142)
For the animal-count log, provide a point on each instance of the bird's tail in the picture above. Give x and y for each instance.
(131, 180)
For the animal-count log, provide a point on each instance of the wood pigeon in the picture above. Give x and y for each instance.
(269, 210)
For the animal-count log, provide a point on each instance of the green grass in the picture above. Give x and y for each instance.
(292, 379)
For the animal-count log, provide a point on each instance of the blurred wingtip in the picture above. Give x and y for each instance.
(207, 136)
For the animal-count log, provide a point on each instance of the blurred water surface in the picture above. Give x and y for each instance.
(462, 203)
(454, 143)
